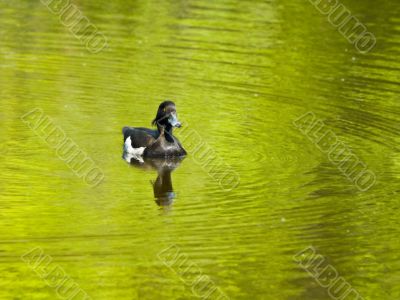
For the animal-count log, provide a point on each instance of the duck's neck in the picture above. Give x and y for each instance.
(166, 131)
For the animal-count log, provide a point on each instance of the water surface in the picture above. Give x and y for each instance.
(240, 73)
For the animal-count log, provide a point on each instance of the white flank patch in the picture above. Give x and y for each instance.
(134, 151)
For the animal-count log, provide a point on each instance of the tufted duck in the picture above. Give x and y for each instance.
(155, 143)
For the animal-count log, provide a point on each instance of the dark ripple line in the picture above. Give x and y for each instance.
(209, 49)
(55, 238)
(180, 26)
(375, 80)
(213, 61)
(202, 7)
(218, 43)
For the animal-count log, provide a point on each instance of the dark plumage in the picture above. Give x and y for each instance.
(155, 143)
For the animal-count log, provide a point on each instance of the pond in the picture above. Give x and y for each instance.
(276, 105)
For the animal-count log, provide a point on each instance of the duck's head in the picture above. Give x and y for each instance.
(167, 116)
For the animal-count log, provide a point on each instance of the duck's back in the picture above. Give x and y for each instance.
(140, 137)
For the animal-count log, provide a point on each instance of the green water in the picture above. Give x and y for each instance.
(240, 73)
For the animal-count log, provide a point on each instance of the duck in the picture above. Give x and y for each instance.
(144, 142)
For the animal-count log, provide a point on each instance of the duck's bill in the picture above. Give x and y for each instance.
(173, 120)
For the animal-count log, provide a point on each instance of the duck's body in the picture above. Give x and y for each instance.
(155, 143)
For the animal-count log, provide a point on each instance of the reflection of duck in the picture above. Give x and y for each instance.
(155, 143)
(162, 186)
